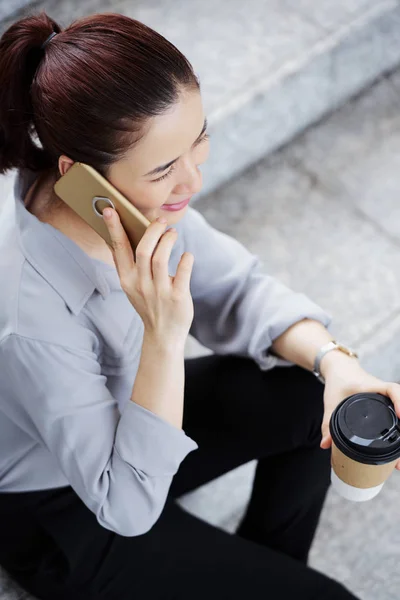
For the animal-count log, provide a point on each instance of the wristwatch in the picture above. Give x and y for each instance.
(333, 345)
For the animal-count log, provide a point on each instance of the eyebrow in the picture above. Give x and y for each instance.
(162, 168)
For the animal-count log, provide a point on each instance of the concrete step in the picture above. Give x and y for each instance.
(269, 68)
(11, 8)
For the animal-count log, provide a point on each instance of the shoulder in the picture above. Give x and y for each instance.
(29, 306)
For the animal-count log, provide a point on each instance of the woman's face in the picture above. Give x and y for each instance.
(178, 136)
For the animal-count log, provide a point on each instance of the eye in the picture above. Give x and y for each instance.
(205, 137)
(166, 174)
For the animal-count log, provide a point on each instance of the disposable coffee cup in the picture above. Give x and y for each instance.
(365, 434)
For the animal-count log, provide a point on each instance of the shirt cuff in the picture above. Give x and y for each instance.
(149, 443)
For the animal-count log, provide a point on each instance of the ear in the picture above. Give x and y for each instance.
(64, 163)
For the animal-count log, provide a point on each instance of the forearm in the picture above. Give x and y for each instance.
(159, 383)
(301, 342)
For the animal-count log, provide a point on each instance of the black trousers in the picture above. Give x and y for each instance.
(52, 544)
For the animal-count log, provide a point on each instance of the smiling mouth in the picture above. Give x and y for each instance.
(174, 203)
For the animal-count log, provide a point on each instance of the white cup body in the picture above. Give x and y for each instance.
(353, 493)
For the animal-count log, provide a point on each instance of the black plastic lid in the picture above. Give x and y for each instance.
(365, 427)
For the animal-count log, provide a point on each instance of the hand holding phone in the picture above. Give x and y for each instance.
(163, 302)
(88, 193)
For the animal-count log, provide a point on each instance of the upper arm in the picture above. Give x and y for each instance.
(120, 464)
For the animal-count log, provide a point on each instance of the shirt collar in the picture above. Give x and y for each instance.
(59, 260)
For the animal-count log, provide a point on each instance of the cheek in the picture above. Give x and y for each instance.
(145, 197)
(148, 197)
(152, 198)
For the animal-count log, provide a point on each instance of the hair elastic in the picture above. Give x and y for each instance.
(48, 40)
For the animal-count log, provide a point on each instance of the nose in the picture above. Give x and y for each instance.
(190, 181)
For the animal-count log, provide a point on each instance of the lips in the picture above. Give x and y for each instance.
(177, 205)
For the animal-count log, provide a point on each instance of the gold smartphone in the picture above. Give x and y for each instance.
(88, 193)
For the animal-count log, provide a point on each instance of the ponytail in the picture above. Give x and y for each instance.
(20, 56)
(88, 94)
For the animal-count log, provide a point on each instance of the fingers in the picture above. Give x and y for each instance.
(330, 405)
(393, 391)
(120, 245)
(326, 435)
(161, 258)
(146, 248)
(183, 273)
(326, 441)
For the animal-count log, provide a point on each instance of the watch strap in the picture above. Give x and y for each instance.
(332, 345)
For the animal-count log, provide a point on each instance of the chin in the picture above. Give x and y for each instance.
(173, 216)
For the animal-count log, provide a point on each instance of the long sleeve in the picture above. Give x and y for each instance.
(238, 309)
(121, 464)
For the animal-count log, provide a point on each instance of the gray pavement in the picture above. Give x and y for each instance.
(10, 8)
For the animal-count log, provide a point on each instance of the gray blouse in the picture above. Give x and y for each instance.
(70, 345)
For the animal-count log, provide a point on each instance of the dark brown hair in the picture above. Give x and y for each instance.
(88, 93)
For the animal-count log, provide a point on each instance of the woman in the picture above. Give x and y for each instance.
(103, 422)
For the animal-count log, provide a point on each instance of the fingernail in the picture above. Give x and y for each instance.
(161, 219)
(107, 213)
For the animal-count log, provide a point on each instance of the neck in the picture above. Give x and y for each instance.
(42, 201)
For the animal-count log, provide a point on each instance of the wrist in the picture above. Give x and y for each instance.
(163, 346)
(335, 361)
